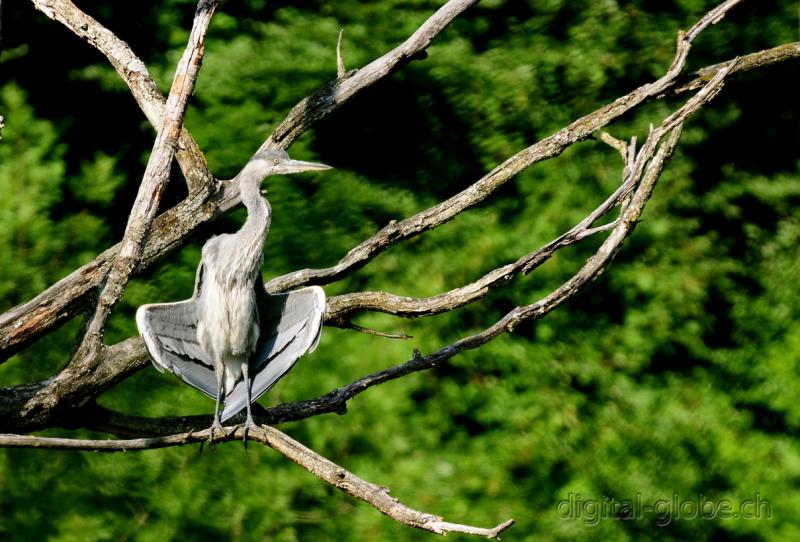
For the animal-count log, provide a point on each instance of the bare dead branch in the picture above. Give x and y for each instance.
(369, 331)
(141, 84)
(28, 407)
(155, 179)
(331, 96)
(324, 469)
(476, 193)
(375, 495)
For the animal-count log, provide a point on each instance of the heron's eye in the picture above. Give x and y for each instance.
(275, 161)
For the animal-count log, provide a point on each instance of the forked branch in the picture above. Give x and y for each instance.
(155, 179)
(135, 74)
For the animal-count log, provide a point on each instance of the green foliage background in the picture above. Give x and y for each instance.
(675, 373)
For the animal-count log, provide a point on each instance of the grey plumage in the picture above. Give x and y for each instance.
(231, 339)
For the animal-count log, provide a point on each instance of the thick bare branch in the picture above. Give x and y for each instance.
(155, 179)
(28, 408)
(89, 353)
(324, 469)
(133, 71)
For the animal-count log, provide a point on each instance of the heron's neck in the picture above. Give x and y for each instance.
(253, 233)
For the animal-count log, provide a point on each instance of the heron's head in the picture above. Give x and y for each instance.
(277, 162)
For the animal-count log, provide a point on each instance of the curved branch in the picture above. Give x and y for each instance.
(324, 469)
(341, 307)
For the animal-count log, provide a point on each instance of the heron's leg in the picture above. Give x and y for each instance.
(249, 423)
(216, 425)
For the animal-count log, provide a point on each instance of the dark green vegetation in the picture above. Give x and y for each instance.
(675, 373)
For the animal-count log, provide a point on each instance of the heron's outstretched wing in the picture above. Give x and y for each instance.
(169, 331)
(291, 324)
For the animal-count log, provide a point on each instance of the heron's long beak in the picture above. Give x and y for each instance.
(296, 166)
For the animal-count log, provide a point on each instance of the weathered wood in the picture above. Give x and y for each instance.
(135, 74)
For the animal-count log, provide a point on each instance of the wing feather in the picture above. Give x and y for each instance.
(169, 331)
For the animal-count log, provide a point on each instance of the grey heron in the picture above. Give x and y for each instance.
(231, 339)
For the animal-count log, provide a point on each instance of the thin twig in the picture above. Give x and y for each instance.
(369, 331)
(340, 71)
(616, 144)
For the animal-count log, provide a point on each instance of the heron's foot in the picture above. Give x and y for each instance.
(251, 426)
(212, 431)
